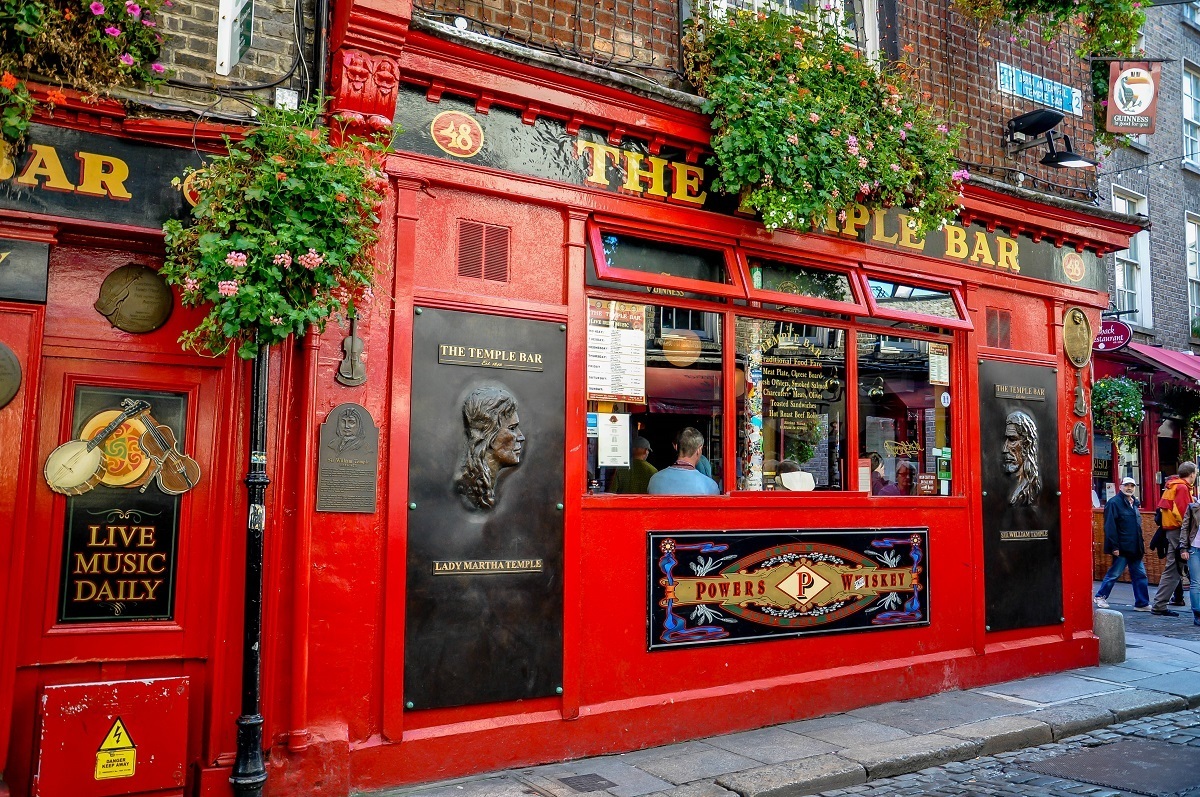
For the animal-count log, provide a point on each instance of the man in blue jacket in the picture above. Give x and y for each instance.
(1123, 542)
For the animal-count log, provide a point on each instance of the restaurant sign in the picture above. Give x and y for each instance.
(714, 587)
(62, 172)
(1114, 335)
(452, 129)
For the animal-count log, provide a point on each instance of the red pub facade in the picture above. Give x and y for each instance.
(455, 581)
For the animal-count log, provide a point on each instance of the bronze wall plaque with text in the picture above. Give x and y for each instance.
(348, 457)
(489, 357)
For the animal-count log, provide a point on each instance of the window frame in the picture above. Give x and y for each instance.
(735, 288)
(953, 287)
(1190, 95)
(856, 307)
(1142, 287)
(1192, 224)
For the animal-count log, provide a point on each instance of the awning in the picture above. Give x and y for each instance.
(1185, 366)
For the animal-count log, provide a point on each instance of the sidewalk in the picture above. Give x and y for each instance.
(1161, 674)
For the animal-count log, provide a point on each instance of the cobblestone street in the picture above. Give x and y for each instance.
(1005, 775)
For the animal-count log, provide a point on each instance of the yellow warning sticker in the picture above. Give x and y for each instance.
(117, 756)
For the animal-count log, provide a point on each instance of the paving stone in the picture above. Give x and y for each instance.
(772, 745)
(1003, 733)
(858, 733)
(1185, 684)
(697, 766)
(484, 787)
(702, 788)
(914, 753)
(1135, 703)
(631, 781)
(1114, 673)
(795, 778)
(1050, 688)
(820, 723)
(1152, 666)
(933, 713)
(667, 751)
(1072, 718)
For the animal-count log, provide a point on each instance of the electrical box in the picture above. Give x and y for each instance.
(112, 738)
(235, 32)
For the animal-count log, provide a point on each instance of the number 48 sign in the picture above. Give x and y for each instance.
(456, 134)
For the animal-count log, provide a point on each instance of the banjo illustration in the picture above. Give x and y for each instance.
(75, 467)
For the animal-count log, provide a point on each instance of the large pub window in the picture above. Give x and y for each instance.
(801, 376)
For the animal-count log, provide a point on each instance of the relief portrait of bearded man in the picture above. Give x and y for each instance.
(1020, 458)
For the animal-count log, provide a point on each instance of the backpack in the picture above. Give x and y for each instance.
(1158, 543)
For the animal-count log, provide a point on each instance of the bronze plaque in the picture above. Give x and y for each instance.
(348, 473)
(1022, 547)
(1077, 337)
(135, 299)
(10, 375)
(483, 618)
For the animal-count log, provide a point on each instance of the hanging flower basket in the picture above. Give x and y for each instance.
(1117, 411)
(281, 236)
(805, 125)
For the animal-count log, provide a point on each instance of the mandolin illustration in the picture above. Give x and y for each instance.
(75, 467)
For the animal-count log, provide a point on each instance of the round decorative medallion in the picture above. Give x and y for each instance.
(1077, 337)
(457, 134)
(10, 375)
(134, 298)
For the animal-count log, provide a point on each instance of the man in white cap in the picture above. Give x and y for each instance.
(635, 479)
(1123, 542)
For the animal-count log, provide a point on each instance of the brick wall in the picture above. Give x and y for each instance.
(190, 51)
(1171, 190)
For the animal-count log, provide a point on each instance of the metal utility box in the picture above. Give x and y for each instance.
(112, 738)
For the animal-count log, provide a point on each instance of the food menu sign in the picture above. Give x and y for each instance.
(616, 351)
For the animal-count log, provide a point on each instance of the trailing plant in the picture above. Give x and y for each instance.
(281, 235)
(1107, 29)
(805, 125)
(1117, 410)
(1185, 403)
(97, 45)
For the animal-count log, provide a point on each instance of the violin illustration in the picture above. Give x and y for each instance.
(75, 466)
(351, 372)
(175, 471)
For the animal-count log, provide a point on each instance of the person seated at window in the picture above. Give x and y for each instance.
(683, 478)
(906, 476)
(789, 476)
(703, 466)
(878, 480)
(635, 479)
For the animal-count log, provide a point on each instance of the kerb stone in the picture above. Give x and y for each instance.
(1134, 703)
(1109, 627)
(1072, 719)
(1002, 734)
(914, 753)
(795, 778)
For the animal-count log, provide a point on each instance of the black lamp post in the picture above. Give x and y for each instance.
(249, 772)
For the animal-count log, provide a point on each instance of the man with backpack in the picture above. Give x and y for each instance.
(1177, 495)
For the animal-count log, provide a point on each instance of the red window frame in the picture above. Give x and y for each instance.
(856, 307)
(932, 283)
(736, 288)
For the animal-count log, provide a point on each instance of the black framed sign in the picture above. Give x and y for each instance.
(1022, 547)
(121, 532)
(714, 587)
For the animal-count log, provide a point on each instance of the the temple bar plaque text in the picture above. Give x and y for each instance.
(1021, 392)
(485, 357)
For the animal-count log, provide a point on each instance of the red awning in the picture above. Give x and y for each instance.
(1185, 366)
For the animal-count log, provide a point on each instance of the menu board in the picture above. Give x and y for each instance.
(616, 349)
(939, 364)
(795, 386)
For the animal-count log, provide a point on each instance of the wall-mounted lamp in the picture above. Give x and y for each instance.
(1033, 129)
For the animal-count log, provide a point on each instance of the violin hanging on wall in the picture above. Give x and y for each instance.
(175, 471)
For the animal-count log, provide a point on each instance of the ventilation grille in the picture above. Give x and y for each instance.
(482, 251)
(999, 323)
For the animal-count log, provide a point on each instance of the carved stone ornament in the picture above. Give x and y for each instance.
(1077, 337)
(1079, 437)
(493, 441)
(1020, 458)
(364, 89)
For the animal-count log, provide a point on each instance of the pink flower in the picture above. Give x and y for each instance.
(311, 260)
(283, 259)
(814, 118)
(870, 145)
(841, 217)
(112, 30)
(864, 188)
(908, 125)
(862, 163)
(835, 193)
(236, 259)
(228, 287)
(159, 68)
(190, 285)
(960, 175)
(276, 320)
(943, 129)
(134, 9)
(903, 135)
(793, 139)
(149, 23)
(895, 167)
(852, 144)
(1103, 103)
(126, 59)
(97, 8)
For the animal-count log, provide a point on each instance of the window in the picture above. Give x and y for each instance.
(903, 416)
(1193, 272)
(1132, 287)
(1191, 12)
(858, 19)
(791, 406)
(1191, 115)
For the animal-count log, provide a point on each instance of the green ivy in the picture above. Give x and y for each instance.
(1117, 410)
(805, 125)
(282, 233)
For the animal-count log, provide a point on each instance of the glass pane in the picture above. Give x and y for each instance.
(791, 406)
(653, 371)
(655, 257)
(800, 280)
(911, 299)
(903, 416)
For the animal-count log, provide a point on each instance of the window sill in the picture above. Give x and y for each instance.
(1191, 166)
(1139, 146)
(1187, 23)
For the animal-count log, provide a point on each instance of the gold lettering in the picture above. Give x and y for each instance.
(831, 225)
(687, 180)
(145, 537)
(878, 235)
(8, 166)
(956, 242)
(856, 218)
(635, 175)
(908, 235)
(83, 565)
(600, 154)
(45, 163)
(102, 175)
(79, 590)
(1007, 256)
(982, 253)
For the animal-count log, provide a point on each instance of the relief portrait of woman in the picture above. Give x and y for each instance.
(494, 442)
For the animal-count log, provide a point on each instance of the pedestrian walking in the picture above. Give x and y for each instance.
(1176, 497)
(1190, 541)
(1123, 542)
